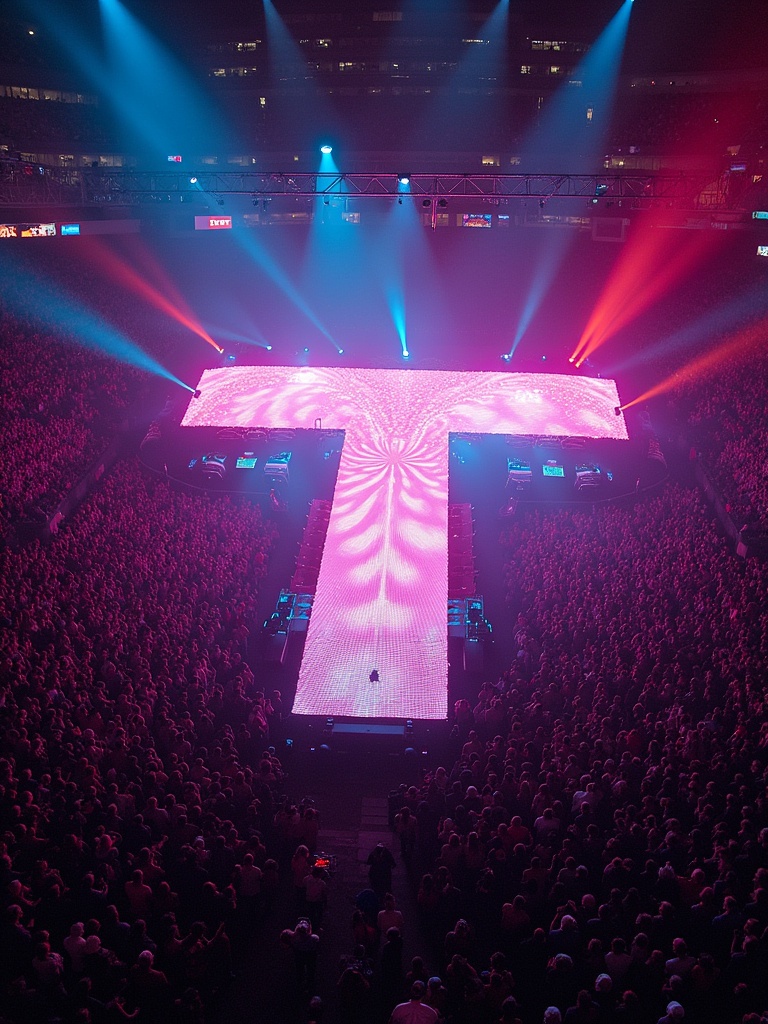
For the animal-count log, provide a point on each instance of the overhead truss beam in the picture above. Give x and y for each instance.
(99, 186)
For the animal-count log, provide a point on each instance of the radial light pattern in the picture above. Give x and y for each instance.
(381, 598)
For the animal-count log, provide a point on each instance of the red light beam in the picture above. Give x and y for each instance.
(749, 337)
(120, 271)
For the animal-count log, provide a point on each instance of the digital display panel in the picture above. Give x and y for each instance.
(476, 220)
(760, 215)
(382, 590)
(246, 461)
(27, 230)
(553, 469)
(37, 230)
(762, 250)
(70, 229)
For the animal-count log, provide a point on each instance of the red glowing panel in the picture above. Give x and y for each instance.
(381, 598)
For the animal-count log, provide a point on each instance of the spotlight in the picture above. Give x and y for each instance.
(406, 354)
(403, 179)
(269, 348)
(326, 150)
(617, 410)
(231, 357)
(341, 351)
(600, 189)
(506, 356)
(197, 393)
(543, 359)
(193, 180)
(571, 359)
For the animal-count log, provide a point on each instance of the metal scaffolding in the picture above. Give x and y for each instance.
(108, 187)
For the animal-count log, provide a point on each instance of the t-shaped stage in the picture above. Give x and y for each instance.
(382, 590)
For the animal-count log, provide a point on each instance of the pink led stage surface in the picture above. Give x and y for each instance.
(381, 599)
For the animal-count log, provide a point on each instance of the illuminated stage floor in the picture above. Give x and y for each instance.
(381, 596)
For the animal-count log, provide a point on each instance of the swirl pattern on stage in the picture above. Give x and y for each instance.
(381, 598)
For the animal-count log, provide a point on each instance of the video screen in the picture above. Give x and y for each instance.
(476, 220)
(37, 230)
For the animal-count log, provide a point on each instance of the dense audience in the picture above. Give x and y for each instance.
(599, 848)
(137, 786)
(729, 425)
(59, 408)
(595, 848)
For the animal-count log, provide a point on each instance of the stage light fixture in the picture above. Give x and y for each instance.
(193, 180)
(617, 410)
(600, 189)
(326, 150)
(269, 348)
(341, 351)
(197, 393)
(506, 356)
(442, 203)
(406, 354)
(426, 203)
(403, 179)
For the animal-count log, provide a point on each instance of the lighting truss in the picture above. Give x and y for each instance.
(110, 187)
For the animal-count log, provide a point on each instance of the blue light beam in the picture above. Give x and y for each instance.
(576, 119)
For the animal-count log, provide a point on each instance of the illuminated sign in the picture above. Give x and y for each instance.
(27, 230)
(760, 215)
(212, 223)
(476, 220)
(37, 230)
(762, 250)
(70, 229)
(174, 159)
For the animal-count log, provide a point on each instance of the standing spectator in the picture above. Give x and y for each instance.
(380, 866)
(415, 1011)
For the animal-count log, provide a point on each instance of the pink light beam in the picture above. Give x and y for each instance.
(381, 598)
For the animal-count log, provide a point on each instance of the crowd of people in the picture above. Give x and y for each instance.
(137, 783)
(727, 422)
(58, 412)
(595, 847)
(598, 850)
